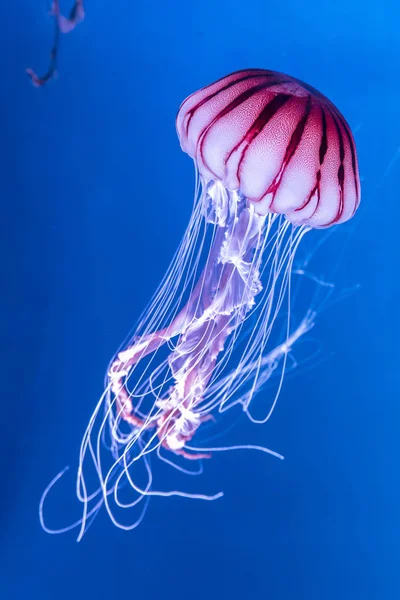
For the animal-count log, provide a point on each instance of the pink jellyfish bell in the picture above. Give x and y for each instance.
(278, 142)
(274, 158)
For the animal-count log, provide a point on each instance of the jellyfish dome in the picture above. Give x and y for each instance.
(274, 159)
(279, 141)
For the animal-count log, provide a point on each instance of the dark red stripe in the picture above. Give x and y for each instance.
(349, 136)
(340, 174)
(292, 146)
(323, 147)
(234, 104)
(261, 121)
(297, 134)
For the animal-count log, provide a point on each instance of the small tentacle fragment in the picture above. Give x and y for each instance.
(62, 24)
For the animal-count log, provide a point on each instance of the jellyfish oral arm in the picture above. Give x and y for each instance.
(208, 324)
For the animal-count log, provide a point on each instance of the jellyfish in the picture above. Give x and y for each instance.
(62, 24)
(274, 159)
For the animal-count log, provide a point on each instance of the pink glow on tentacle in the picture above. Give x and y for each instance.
(76, 16)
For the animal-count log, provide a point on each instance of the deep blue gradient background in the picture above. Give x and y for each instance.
(95, 197)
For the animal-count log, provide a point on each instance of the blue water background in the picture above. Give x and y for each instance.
(95, 197)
